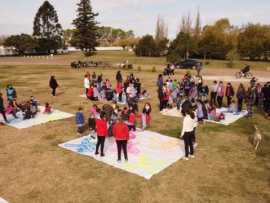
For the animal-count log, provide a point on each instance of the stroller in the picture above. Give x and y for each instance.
(244, 73)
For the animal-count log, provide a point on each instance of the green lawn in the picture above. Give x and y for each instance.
(34, 169)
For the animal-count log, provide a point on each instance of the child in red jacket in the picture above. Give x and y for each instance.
(121, 134)
(102, 132)
(132, 119)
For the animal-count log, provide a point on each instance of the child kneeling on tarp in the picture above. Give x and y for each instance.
(80, 121)
(48, 108)
(102, 133)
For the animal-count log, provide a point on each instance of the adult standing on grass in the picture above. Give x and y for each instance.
(229, 93)
(2, 108)
(213, 94)
(188, 133)
(53, 85)
(241, 95)
(220, 94)
(121, 134)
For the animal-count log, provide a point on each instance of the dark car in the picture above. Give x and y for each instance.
(188, 64)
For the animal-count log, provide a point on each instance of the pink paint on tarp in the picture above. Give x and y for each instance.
(133, 149)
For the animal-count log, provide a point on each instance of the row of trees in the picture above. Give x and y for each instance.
(218, 41)
(48, 35)
(154, 46)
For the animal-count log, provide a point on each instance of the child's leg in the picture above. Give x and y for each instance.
(118, 142)
(98, 144)
(102, 145)
(4, 116)
(124, 145)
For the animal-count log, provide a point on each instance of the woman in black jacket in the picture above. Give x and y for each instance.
(53, 85)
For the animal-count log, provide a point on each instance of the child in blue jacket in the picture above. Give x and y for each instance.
(80, 121)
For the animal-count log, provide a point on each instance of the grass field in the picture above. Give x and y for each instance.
(34, 169)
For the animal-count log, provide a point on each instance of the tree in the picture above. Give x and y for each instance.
(181, 47)
(146, 47)
(198, 28)
(86, 35)
(232, 56)
(186, 24)
(254, 41)
(161, 29)
(47, 29)
(22, 43)
(109, 36)
(216, 40)
(2, 39)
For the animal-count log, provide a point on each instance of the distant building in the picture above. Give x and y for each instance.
(7, 51)
(72, 49)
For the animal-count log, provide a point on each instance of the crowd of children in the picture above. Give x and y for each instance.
(24, 110)
(110, 121)
(206, 100)
(125, 92)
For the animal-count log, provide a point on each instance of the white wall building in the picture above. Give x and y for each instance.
(72, 49)
(7, 51)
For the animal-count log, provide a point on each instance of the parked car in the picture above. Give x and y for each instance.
(188, 64)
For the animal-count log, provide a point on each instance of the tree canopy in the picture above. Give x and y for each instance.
(23, 43)
(47, 29)
(85, 36)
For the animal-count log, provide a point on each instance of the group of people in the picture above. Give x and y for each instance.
(208, 100)
(24, 110)
(110, 121)
(125, 92)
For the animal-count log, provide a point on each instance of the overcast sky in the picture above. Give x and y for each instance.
(16, 16)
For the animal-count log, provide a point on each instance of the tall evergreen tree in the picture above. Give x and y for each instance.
(86, 33)
(47, 28)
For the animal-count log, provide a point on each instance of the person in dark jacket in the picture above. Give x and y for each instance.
(2, 108)
(186, 106)
(53, 85)
(119, 77)
(229, 93)
(241, 95)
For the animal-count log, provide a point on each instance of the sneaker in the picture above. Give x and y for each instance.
(102, 155)
(119, 160)
(185, 158)
(96, 153)
(192, 156)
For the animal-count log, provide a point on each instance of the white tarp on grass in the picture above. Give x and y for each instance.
(174, 112)
(40, 118)
(149, 153)
(229, 117)
(233, 78)
(2, 200)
